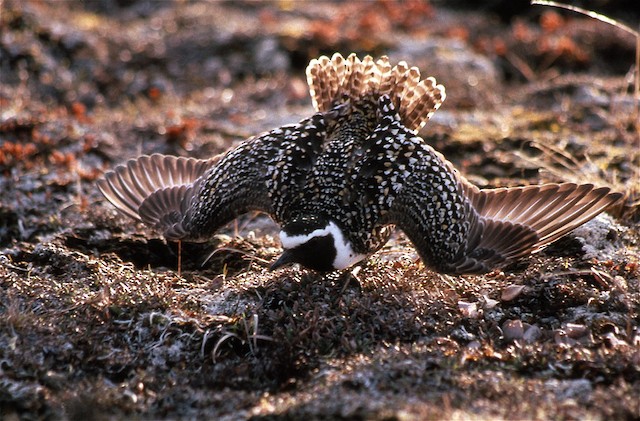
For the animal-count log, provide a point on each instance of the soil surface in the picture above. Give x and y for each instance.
(98, 322)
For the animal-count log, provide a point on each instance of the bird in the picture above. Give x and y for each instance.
(340, 181)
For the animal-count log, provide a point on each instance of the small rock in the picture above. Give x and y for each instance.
(598, 237)
(576, 331)
(489, 303)
(512, 330)
(511, 292)
(532, 334)
(469, 310)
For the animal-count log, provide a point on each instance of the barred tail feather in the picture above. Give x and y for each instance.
(331, 80)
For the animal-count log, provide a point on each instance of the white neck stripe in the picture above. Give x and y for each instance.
(293, 241)
(345, 256)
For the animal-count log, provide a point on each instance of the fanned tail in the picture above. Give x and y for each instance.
(331, 80)
(155, 189)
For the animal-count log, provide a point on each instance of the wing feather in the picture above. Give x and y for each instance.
(549, 210)
(130, 185)
(186, 198)
(482, 229)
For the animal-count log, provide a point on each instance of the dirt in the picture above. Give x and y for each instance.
(97, 321)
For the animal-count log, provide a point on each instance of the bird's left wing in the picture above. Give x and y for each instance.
(458, 228)
(412, 186)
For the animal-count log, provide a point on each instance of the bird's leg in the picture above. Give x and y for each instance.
(346, 276)
(179, 258)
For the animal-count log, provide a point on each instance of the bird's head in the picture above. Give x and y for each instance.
(316, 244)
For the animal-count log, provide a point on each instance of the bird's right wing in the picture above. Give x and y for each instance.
(166, 180)
(189, 199)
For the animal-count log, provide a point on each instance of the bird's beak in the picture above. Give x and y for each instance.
(285, 258)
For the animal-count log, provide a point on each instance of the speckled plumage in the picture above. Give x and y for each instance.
(359, 167)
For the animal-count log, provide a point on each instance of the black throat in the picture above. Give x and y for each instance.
(318, 254)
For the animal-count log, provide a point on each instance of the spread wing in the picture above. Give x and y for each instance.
(185, 198)
(458, 228)
(160, 182)
(549, 211)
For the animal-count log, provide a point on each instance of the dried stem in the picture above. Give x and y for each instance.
(625, 28)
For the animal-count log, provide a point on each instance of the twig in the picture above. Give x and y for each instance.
(235, 250)
(589, 13)
(179, 258)
(625, 28)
